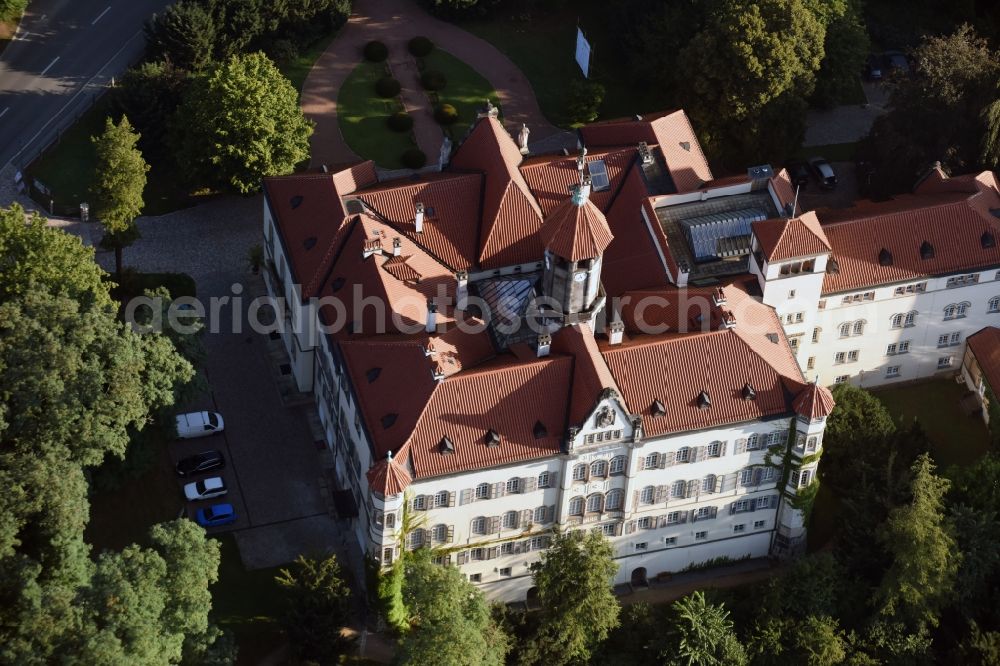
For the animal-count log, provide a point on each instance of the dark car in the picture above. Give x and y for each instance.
(798, 172)
(205, 461)
(873, 68)
(823, 172)
(895, 63)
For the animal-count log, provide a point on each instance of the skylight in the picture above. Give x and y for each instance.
(598, 175)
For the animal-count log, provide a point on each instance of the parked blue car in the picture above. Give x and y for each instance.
(215, 515)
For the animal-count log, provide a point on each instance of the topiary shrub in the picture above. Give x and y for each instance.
(420, 47)
(387, 87)
(400, 122)
(414, 158)
(433, 80)
(446, 114)
(376, 51)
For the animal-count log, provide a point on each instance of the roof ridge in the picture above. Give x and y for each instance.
(940, 204)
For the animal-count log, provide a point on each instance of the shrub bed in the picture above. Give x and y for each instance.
(420, 46)
(446, 114)
(414, 158)
(400, 122)
(433, 80)
(387, 87)
(376, 51)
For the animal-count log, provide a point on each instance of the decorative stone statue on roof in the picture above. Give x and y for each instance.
(522, 138)
(490, 111)
(445, 155)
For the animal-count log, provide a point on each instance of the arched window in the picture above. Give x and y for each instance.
(544, 480)
(483, 491)
(678, 489)
(708, 484)
(652, 461)
(541, 515)
(514, 485)
(576, 506)
(595, 503)
(618, 462)
(416, 539)
(911, 318)
(439, 533)
(816, 333)
(647, 495)
(479, 525)
(510, 520)
(949, 312)
(419, 503)
(599, 468)
(580, 472)
(683, 454)
(441, 499)
(859, 327)
(614, 500)
(390, 520)
(896, 321)
(961, 309)
(845, 329)
(993, 305)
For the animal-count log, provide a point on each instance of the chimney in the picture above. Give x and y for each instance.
(397, 246)
(418, 219)
(543, 344)
(718, 297)
(728, 319)
(645, 157)
(431, 326)
(522, 138)
(462, 292)
(616, 332)
(581, 160)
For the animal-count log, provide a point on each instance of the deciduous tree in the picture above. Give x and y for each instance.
(317, 609)
(119, 181)
(184, 34)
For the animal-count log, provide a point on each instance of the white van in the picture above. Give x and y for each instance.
(199, 424)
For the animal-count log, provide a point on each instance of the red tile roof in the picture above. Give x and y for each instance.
(781, 185)
(952, 222)
(388, 477)
(550, 177)
(450, 232)
(985, 345)
(675, 136)
(590, 373)
(510, 216)
(814, 402)
(576, 230)
(783, 238)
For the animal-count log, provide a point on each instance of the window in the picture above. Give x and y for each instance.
(705, 512)
(678, 489)
(845, 329)
(505, 572)
(479, 525)
(580, 472)
(892, 371)
(811, 444)
(956, 311)
(543, 480)
(859, 327)
(811, 363)
(741, 527)
(798, 317)
(715, 450)
(419, 503)
(708, 484)
(852, 356)
(746, 476)
(509, 520)
(390, 520)
(652, 461)
(541, 515)
(768, 474)
(539, 543)
(700, 536)
(758, 524)
(793, 341)
(949, 339)
(901, 347)
(683, 454)
(993, 305)
(595, 503)
(483, 491)
(673, 517)
(742, 505)
(609, 529)
(416, 539)
(839, 357)
(857, 298)
(816, 332)
(618, 465)
(944, 362)
(476, 578)
(647, 495)
(910, 320)
(841, 379)
(439, 533)
(791, 293)
(800, 479)
(918, 288)
(821, 305)
(576, 506)
(615, 500)
(599, 468)
(645, 523)
(670, 541)
(513, 486)
(962, 280)
(441, 499)
(642, 545)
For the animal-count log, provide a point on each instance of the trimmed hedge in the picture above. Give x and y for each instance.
(400, 122)
(376, 51)
(433, 80)
(420, 47)
(446, 114)
(414, 158)
(387, 87)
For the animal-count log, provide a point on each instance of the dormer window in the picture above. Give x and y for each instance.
(884, 257)
(373, 374)
(309, 243)
(987, 240)
(492, 438)
(389, 420)
(337, 284)
(540, 431)
(832, 267)
(446, 446)
(748, 393)
(296, 201)
(704, 401)
(658, 408)
(926, 250)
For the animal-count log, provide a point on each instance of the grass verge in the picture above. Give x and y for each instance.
(467, 89)
(362, 116)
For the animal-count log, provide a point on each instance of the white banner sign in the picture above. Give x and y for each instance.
(583, 53)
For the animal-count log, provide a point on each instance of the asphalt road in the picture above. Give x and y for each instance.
(63, 53)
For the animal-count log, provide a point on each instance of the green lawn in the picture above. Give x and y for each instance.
(467, 90)
(956, 439)
(362, 116)
(67, 170)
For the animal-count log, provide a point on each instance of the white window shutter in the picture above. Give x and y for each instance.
(692, 488)
(682, 516)
(699, 453)
(494, 524)
(529, 483)
(551, 513)
(715, 511)
(720, 483)
(451, 534)
(741, 446)
(640, 463)
(629, 527)
(462, 557)
(668, 459)
(661, 493)
(451, 498)
(525, 517)
(722, 449)
(635, 499)
(467, 495)
(499, 489)
(518, 547)
(758, 474)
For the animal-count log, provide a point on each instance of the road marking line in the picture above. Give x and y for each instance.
(5, 110)
(50, 66)
(100, 16)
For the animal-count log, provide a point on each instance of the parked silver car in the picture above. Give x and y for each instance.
(199, 424)
(204, 489)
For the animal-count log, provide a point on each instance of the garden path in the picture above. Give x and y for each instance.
(395, 22)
